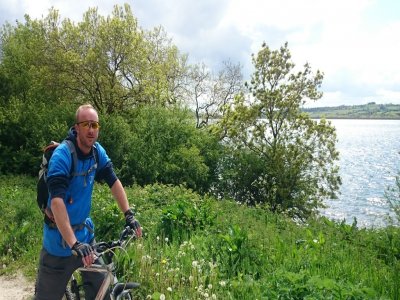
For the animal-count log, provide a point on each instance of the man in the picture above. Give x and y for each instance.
(70, 204)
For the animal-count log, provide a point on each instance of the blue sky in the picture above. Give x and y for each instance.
(356, 43)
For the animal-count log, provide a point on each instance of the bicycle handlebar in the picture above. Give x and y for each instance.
(101, 247)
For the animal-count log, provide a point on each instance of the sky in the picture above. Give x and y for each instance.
(355, 43)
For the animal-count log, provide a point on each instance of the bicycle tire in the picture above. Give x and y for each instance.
(68, 295)
(74, 288)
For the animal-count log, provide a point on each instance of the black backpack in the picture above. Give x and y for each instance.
(42, 190)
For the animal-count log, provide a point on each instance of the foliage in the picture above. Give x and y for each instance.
(241, 253)
(184, 217)
(165, 147)
(294, 156)
(239, 169)
(19, 240)
(25, 128)
(107, 61)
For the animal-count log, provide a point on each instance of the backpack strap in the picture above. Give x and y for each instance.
(72, 150)
(74, 172)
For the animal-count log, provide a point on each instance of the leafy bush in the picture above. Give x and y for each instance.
(240, 172)
(25, 128)
(184, 217)
(165, 147)
(236, 254)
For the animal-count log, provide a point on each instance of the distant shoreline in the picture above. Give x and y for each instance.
(370, 111)
(354, 118)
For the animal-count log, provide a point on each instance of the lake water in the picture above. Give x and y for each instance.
(369, 161)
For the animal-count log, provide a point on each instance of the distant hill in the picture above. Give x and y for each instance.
(365, 111)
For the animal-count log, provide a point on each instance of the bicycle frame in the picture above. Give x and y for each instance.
(119, 289)
(109, 278)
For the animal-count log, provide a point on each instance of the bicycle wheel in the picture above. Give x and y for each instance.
(68, 295)
(72, 291)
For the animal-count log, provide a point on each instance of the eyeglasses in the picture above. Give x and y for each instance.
(89, 124)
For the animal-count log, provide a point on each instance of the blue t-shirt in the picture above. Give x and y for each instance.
(77, 196)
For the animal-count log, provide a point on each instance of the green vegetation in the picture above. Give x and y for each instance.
(156, 111)
(366, 111)
(196, 247)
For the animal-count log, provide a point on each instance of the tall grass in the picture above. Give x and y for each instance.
(196, 247)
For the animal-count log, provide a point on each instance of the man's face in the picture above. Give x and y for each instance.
(87, 129)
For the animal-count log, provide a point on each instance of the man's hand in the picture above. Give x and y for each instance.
(85, 251)
(132, 222)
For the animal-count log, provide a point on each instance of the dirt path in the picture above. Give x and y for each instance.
(15, 287)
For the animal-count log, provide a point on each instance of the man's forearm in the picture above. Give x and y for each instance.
(119, 194)
(62, 220)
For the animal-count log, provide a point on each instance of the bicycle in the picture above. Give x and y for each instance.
(105, 252)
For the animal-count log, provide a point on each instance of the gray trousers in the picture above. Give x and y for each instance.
(54, 273)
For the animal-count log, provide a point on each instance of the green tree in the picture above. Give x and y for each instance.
(107, 61)
(48, 66)
(297, 155)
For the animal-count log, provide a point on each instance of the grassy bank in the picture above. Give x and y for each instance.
(199, 248)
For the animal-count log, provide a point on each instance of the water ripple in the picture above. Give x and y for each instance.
(369, 162)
